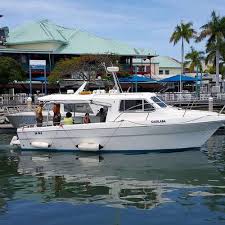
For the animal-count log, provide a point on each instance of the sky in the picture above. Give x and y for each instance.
(145, 24)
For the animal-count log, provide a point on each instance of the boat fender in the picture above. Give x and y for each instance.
(90, 147)
(15, 141)
(40, 144)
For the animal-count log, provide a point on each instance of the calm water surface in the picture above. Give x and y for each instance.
(155, 188)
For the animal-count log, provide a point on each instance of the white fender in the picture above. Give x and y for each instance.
(89, 147)
(39, 144)
(15, 141)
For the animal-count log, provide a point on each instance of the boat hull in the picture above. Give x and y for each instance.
(121, 137)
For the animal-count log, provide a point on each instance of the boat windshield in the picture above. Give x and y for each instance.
(159, 101)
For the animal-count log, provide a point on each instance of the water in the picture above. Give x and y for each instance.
(156, 188)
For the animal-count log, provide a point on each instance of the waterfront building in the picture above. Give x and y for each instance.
(48, 41)
(157, 66)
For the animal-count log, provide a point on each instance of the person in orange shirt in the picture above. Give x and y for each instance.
(57, 114)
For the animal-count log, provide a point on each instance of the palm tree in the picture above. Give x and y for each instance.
(183, 32)
(214, 30)
(211, 53)
(195, 59)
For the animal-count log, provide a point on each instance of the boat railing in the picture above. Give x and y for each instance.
(48, 123)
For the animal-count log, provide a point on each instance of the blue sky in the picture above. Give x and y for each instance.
(145, 23)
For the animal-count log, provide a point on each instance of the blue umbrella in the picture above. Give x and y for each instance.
(178, 78)
(136, 78)
(42, 79)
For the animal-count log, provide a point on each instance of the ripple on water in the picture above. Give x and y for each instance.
(176, 184)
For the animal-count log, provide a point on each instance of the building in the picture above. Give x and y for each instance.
(157, 66)
(51, 42)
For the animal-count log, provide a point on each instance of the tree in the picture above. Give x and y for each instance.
(194, 59)
(10, 70)
(214, 30)
(86, 67)
(183, 32)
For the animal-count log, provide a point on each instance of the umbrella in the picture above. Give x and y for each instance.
(136, 78)
(42, 79)
(178, 78)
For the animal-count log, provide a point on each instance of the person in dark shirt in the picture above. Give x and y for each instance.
(102, 115)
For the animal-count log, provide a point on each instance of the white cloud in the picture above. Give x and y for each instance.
(58, 9)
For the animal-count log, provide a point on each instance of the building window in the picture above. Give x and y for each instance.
(160, 72)
(141, 69)
(148, 69)
(135, 69)
(167, 72)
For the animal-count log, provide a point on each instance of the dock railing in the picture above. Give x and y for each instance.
(17, 99)
(187, 97)
(21, 98)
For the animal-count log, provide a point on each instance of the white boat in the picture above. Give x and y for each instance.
(18, 118)
(24, 118)
(134, 122)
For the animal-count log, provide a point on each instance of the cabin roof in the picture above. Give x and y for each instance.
(107, 97)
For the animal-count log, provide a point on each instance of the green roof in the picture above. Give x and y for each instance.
(163, 61)
(166, 61)
(74, 41)
(37, 32)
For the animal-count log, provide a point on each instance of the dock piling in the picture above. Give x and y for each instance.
(211, 104)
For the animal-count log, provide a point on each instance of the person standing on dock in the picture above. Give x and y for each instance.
(39, 114)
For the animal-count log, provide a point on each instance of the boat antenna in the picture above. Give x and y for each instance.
(113, 69)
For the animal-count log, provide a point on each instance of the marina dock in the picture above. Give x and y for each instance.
(7, 128)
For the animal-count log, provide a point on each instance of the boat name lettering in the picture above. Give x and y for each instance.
(158, 121)
(39, 132)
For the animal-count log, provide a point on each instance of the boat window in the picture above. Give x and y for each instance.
(148, 106)
(159, 102)
(80, 107)
(131, 105)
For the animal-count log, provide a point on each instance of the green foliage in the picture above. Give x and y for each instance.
(10, 70)
(86, 67)
(211, 53)
(183, 31)
(122, 72)
(210, 70)
(222, 71)
(214, 31)
(194, 59)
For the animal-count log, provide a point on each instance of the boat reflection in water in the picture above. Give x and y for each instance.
(117, 180)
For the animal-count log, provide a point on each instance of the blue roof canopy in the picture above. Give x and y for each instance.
(42, 79)
(177, 78)
(136, 78)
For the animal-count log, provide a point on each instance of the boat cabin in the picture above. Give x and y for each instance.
(116, 106)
